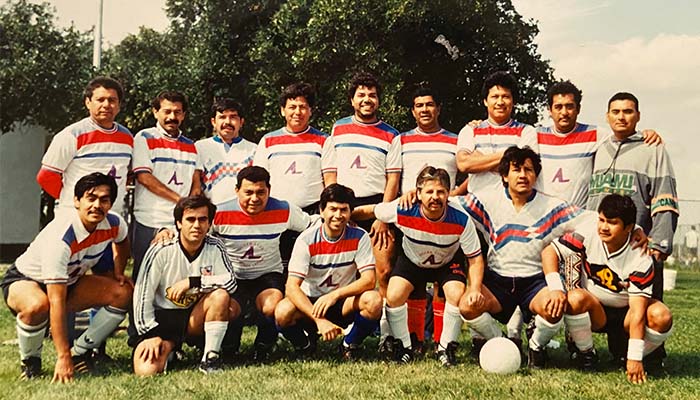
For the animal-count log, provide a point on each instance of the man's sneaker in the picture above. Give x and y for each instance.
(212, 363)
(31, 368)
(261, 352)
(401, 354)
(386, 348)
(83, 363)
(587, 360)
(307, 351)
(448, 356)
(349, 352)
(536, 359)
(654, 362)
(418, 346)
(477, 344)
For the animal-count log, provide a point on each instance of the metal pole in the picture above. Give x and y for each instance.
(97, 46)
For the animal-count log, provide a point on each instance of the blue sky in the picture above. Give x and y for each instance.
(646, 47)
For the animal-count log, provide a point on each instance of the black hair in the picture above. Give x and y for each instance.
(191, 203)
(363, 79)
(299, 89)
(253, 174)
(172, 96)
(94, 180)
(503, 79)
(517, 156)
(619, 206)
(429, 173)
(104, 82)
(624, 96)
(337, 193)
(563, 88)
(425, 90)
(225, 103)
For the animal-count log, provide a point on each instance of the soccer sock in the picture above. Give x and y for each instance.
(452, 325)
(544, 332)
(654, 339)
(438, 312)
(579, 326)
(514, 324)
(361, 328)
(267, 331)
(485, 326)
(416, 317)
(296, 336)
(398, 321)
(384, 327)
(30, 338)
(103, 324)
(232, 339)
(214, 332)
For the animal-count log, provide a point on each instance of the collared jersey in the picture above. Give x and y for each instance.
(83, 148)
(220, 163)
(325, 264)
(567, 161)
(364, 154)
(427, 243)
(64, 250)
(611, 277)
(296, 163)
(172, 162)
(252, 241)
(516, 238)
(490, 139)
(166, 264)
(420, 149)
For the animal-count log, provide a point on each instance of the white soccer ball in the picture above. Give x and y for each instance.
(500, 356)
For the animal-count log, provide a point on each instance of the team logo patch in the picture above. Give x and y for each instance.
(206, 270)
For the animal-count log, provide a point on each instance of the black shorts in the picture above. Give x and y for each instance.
(13, 275)
(614, 319)
(249, 289)
(361, 201)
(335, 313)
(418, 276)
(172, 325)
(513, 292)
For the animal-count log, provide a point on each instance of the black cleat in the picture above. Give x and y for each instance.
(401, 354)
(83, 363)
(31, 368)
(212, 364)
(418, 346)
(477, 344)
(349, 352)
(261, 352)
(448, 356)
(587, 360)
(386, 348)
(654, 362)
(537, 359)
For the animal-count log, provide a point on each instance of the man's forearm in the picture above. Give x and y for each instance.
(57, 294)
(156, 187)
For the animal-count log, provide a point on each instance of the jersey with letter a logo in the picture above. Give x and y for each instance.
(420, 149)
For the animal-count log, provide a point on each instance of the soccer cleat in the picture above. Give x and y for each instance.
(212, 363)
(31, 368)
(261, 352)
(536, 359)
(83, 363)
(401, 354)
(587, 360)
(349, 352)
(654, 362)
(386, 348)
(307, 351)
(448, 356)
(418, 346)
(477, 344)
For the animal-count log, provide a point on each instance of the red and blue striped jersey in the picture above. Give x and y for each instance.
(420, 149)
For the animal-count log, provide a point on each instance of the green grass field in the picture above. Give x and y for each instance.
(328, 378)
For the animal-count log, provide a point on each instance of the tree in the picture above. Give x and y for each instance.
(43, 69)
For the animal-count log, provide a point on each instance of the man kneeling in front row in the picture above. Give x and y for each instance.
(184, 290)
(617, 298)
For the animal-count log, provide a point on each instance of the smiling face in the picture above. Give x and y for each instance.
(103, 106)
(335, 218)
(194, 226)
(93, 206)
(564, 112)
(170, 116)
(365, 102)
(297, 113)
(426, 112)
(499, 104)
(521, 178)
(227, 124)
(253, 196)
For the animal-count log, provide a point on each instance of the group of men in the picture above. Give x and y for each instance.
(266, 230)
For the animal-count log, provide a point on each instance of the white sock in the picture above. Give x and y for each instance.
(30, 338)
(451, 325)
(514, 324)
(214, 332)
(102, 325)
(384, 327)
(485, 326)
(544, 332)
(654, 339)
(474, 334)
(579, 327)
(398, 322)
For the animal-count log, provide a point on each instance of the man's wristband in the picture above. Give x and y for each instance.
(554, 281)
(635, 349)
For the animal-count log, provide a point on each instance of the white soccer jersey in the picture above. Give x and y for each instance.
(516, 238)
(364, 154)
(296, 163)
(252, 241)
(611, 277)
(220, 163)
(427, 243)
(64, 250)
(166, 264)
(83, 148)
(325, 264)
(567, 161)
(489, 139)
(420, 149)
(172, 162)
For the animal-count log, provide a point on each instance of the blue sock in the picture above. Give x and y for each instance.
(361, 328)
(267, 331)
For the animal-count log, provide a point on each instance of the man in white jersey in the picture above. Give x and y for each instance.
(617, 298)
(331, 280)
(434, 232)
(184, 291)
(219, 158)
(296, 156)
(48, 281)
(250, 226)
